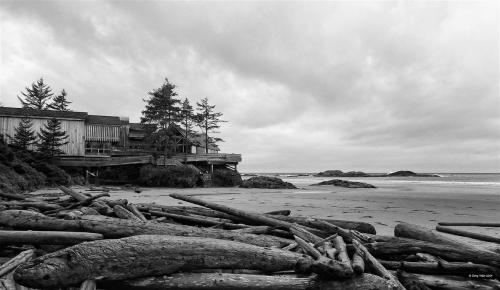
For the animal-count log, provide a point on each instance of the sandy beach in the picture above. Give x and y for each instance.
(393, 201)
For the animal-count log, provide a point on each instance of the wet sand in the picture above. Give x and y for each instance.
(384, 207)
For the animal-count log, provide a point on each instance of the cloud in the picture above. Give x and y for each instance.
(305, 86)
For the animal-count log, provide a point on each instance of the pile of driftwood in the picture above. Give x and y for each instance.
(78, 240)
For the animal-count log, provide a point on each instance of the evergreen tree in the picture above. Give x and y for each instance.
(162, 109)
(187, 115)
(52, 138)
(37, 97)
(24, 136)
(208, 120)
(60, 103)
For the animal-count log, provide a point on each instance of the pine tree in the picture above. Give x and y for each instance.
(187, 115)
(208, 120)
(162, 109)
(24, 136)
(60, 103)
(52, 138)
(37, 97)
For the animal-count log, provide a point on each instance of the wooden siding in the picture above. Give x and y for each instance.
(102, 133)
(74, 129)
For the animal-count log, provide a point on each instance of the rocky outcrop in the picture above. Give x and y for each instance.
(406, 173)
(339, 173)
(345, 183)
(266, 182)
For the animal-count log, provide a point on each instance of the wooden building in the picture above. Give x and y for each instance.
(93, 138)
(71, 122)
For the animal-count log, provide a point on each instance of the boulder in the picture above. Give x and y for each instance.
(345, 183)
(266, 182)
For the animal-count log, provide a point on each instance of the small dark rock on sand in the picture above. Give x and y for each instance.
(266, 182)
(345, 183)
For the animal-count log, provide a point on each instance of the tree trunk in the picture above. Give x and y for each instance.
(118, 228)
(123, 213)
(467, 234)
(448, 252)
(450, 268)
(198, 221)
(375, 265)
(76, 195)
(11, 196)
(470, 224)
(416, 232)
(226, 281)
(46, 237)
(150, 255)
(312, 223)
(16, 261)
(453, 282)
(133, 209)
(34, 204)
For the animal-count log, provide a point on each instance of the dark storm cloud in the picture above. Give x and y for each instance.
(355, 85)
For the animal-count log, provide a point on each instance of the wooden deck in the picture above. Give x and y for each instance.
(103, 161)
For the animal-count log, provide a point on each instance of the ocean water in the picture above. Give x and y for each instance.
(450, 179)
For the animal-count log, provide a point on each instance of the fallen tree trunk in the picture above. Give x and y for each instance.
(312, 223)
(448, 252)
(253, 217)
(16, 261)
(118, 228)
(450, 268)
(452, 282)
(46, 237)
(375, 266)
(198, 221)
(11, 195)
(123, 213)
(226, 281)
(470, 224)
(416, 232)
(150, 255)
(76, 195)
(35, 204)
(467, 234)
(133, 209)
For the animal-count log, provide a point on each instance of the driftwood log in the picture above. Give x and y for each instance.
(16, 261)
(470, 224)
(468, 234)
(451, 282)
(443, 267)
(312, 223)
(198, 220)
(447, 252)
(76, 195)
(46, 237)
(376, 267)
(124, 213)
(150, 255)
(225, 281)
(406, 230)
(118, 228)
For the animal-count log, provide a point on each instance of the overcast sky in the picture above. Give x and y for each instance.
(305, 86)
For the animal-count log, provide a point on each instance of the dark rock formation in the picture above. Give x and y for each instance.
(345, 183)
(339, 173)
(226, 178)
(406, 173)
(266, 182)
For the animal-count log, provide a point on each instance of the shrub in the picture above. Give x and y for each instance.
(171, 176)
(55, 175)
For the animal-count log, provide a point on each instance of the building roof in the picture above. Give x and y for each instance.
(9, 111)
(103, 120)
